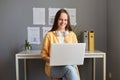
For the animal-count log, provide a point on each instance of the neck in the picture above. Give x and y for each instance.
(61, 30)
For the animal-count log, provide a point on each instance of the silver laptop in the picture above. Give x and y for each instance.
(67, 54)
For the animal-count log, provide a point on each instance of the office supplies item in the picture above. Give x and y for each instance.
(91, 41)
(84, 38)
(67, 54)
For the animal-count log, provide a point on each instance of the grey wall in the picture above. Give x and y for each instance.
(16, 16)
(114, 38)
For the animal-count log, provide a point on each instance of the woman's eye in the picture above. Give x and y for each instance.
(63, 19)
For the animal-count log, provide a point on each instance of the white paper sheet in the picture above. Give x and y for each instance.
(52, 12)
(72, 14)
(39, 16)
(45, 30)
(33, 35)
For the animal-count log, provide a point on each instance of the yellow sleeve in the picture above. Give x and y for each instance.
(45, 47)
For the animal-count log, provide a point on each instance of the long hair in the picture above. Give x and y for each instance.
(55, 24)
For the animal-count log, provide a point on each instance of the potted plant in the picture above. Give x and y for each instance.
(76, 30)
(27, 45)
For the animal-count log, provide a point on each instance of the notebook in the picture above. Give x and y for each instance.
(67, 54)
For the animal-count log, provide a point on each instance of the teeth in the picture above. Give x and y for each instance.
(62, 24)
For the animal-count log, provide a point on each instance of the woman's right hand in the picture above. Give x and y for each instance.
(47, 59)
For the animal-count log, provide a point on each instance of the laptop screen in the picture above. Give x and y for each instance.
(67, 54)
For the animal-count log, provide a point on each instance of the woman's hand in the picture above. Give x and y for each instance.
(47, 59)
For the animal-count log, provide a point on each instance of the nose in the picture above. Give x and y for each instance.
(63, 20)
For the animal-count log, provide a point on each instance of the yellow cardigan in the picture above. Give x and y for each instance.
(51, 37)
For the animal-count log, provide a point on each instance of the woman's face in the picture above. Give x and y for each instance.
(62, 21)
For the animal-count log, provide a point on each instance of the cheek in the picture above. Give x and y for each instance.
(66, 22)
(59, 22)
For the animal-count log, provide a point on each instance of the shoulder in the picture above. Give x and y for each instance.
(72, 33)
(50, 33)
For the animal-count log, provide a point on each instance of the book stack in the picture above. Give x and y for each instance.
(88, 38)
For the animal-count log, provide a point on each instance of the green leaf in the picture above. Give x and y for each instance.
(77, 31)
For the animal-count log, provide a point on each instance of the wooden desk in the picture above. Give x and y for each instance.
(35, 54)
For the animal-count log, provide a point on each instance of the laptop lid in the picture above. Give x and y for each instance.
(67, 54)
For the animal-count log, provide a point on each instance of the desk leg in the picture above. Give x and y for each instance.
(17, 68)
(104, 67)
(94, 68)
(25, 71)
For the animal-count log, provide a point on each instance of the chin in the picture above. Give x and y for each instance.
(62, 26)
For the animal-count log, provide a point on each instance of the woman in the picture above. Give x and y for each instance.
(61, 32)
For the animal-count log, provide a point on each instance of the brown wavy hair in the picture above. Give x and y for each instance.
(55, 24)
